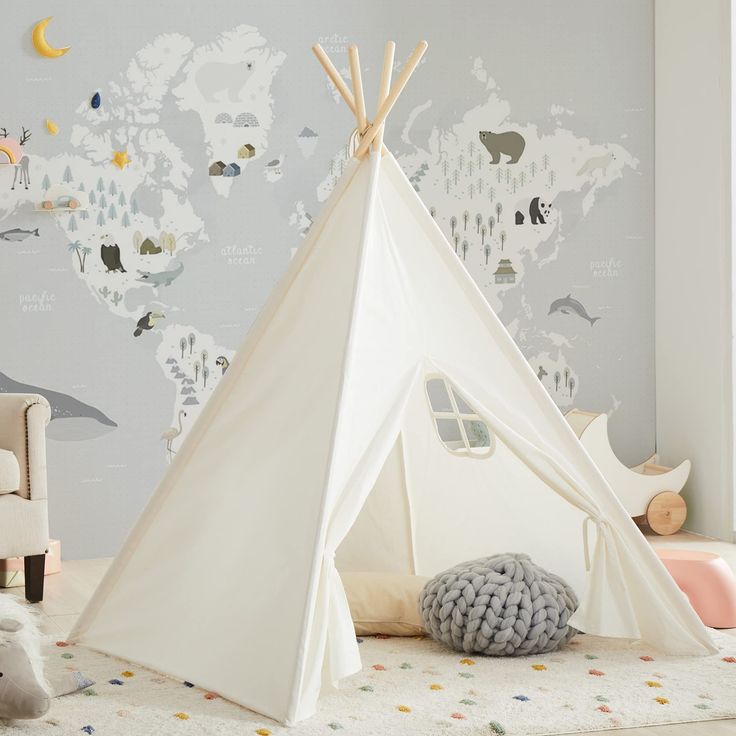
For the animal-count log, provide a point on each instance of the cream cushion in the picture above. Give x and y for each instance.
(9, 472)
(384, 603)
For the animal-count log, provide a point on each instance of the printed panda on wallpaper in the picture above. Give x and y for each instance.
(536, 212)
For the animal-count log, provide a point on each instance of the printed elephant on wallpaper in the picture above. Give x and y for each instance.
(71, 419)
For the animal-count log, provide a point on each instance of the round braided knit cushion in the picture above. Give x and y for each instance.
(503, 605)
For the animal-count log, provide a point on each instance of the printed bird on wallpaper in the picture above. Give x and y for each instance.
(71, 419)
(12, 154)
(172, 433)
(537, 209)
(510, 143)
(568, 305)
(161, 278)
(17, 235)
(110, 254)
(223, 363)
(147, 322)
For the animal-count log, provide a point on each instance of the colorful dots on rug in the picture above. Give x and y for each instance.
(210, 696)
(62, 644)
(122, 713)
(602, 699)
(406, 666)
(661, 700)
(181, 716)
(730, 660)
(467, 661)
(457, 716)
(188, 684)
(378, 667)
(366, 688)
(115, 681)
(591, 656)
(90, 692)
(87, 729)
(646, 658)
(603, 709)
(403, 708)
(596, 673)
(467, 701)
(702, 706)
(127, 673)
(653, 683)
(466, 675)
(436, 686)
(497, 728)
(67, 655)
(523, 698)
(539, 667)
(335, 726)
(263, 732)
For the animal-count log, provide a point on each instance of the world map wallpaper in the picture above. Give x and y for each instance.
(156, 180)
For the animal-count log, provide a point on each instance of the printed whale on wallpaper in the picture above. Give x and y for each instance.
(71, 419)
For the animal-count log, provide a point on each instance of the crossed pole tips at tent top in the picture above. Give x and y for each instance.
(371, 133)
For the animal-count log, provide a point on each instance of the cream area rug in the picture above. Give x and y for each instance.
(416, 686)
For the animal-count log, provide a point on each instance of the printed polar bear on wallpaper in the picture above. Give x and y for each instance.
(214, 78)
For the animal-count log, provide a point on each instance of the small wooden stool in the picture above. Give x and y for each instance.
(706, 579)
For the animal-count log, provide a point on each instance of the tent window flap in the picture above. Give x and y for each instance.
(458, 425)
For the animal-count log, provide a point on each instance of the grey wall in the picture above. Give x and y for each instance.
(573, 78)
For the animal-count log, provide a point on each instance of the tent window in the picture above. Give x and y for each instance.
(458, 425)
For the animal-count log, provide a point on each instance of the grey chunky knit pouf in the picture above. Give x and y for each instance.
(503, 605)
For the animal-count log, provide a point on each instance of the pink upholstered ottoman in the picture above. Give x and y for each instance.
(707, 581)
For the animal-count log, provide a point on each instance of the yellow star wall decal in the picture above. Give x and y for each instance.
(120, 159)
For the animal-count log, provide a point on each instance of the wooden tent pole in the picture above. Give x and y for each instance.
(383, 90)
(358, 95)
(390, 101)
(334, 76)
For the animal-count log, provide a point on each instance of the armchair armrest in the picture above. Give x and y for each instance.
(23, 420)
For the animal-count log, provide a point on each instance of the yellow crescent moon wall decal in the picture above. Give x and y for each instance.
(42, 45)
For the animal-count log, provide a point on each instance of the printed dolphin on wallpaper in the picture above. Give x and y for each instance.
(71, 419)
(568, 305)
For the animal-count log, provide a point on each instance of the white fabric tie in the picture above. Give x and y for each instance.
(586, 550)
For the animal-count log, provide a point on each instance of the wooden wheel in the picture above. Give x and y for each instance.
(666, 513)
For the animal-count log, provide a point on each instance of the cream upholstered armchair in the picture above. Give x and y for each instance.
(24, 520)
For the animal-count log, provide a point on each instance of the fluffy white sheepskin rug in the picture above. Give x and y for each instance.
(27, 635)
(24, 689)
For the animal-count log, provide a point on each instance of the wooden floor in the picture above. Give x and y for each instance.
(67, 593)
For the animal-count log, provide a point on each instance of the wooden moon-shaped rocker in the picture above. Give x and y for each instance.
(649, 492)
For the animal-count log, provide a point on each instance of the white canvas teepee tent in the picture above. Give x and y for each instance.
(378, 417)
